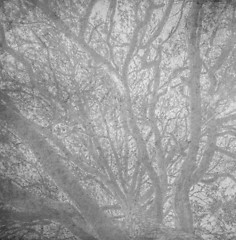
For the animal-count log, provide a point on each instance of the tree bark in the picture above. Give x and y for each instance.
(182, 206)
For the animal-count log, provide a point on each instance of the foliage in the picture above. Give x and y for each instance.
(117, 119)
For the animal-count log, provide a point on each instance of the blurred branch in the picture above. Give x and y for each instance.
(34, 208)
(226, 119)
(216, 176)
(230, 154)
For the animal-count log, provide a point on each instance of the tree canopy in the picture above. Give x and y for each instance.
(117, 119)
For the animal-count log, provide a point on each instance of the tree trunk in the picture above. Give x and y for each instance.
(182, 206)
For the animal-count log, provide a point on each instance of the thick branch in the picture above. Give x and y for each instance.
(64, 178)
(183, 183)
(32, 208)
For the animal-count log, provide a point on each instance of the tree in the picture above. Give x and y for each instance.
(117, 119)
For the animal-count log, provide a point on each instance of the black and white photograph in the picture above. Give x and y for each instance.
(117, 119)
